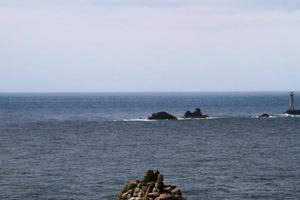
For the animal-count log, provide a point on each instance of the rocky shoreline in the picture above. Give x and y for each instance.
(151, 187)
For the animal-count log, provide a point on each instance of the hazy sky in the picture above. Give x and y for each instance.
(149, 45)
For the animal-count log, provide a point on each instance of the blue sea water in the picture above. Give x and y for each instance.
(85, 146)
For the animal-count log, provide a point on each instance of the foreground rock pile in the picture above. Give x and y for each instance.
(151, 187)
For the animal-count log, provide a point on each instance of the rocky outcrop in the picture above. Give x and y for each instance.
(151, 187)
(162, 116)
(194, 115)
(292, 112)
(265, 115)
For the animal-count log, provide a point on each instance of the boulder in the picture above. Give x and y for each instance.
(162, 116)
(164, 196)
(153, 195)
(194, 115)
(176, 191)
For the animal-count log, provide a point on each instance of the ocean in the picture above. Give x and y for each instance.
(85, 146)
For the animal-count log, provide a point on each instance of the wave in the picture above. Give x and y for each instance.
(270, 116)
(208, 118)
(287, 115)
(274, 116)
(179, 118)
(136, 120)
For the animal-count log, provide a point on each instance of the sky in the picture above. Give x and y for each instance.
(149, 45)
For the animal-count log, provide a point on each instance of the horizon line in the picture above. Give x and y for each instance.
(208, 91)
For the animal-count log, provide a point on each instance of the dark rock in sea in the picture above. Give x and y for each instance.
(264, 116)
(292, 112)
(162, 116)
(194, 115)
(151, 187)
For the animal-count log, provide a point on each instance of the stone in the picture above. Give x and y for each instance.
(197, 114)
(173, 186)
(155, 189)
(176, 191)
(124, 196)
(127, 194)
(153, 194)
(140, 193)
(167, 189)
(131, 185)
(137, 190)
(136, 198)
(176, 197)
(164, 196)
(122, 191)
(162, 116)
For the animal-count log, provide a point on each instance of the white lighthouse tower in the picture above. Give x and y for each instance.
(292, 102)
(292, 108)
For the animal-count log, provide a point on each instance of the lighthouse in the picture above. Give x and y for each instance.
(292, 102)
(292, 109)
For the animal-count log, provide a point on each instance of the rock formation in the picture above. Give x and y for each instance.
(162, 116)
(194, 115)
(265, 115)
(292, 112)
(151, 187)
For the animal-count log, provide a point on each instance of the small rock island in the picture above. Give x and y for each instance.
(151, 187)
(292, 108)
(265, 115)
(197, 114)
(162, 116)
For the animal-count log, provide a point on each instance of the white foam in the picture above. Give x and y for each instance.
(179, 118)
(280, 116)
(270, 116)
(137, 120)
(288, 115)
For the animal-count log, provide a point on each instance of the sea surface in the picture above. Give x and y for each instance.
(84, 146)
